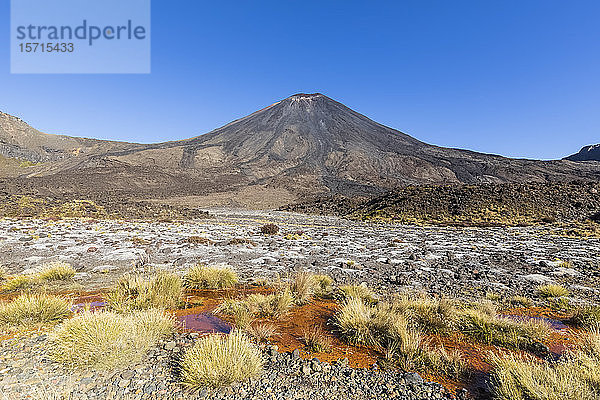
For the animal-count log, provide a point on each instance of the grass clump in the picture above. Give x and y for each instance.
(216, 361)
(427, 314)
(34, 309)
(56, 271)
(575, 376)
(304, 286)
(19, 283)
(317, 340)
(552, 291)
(587, 317)
(2, 274)
(217, 276)
(487, 327)
(257, 305)
(107, 339)
(262, 332)
(361, 292)
(521, 301)
(134, 292)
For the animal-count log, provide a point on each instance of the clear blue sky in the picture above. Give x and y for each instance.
(512, 77)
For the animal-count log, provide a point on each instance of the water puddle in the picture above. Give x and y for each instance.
(93, 305)
(554, 323)
(204, 323)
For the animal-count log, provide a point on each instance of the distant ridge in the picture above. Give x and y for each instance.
(300, 146)
(587, 153)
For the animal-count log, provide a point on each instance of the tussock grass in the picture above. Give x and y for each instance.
(56, 271)
(386, 327)
(361, 292)
(303, 287)
(20, 283)
(324, 285)
(107, 339)
(134, 292)
(216, 361)
(29, 310)
(487, 327)
(218, 276)
(2, 274)
(316, 339)
(262, 332)
(586, 317)
(427, 314)
(520, 301)
(552, 291)
(258, 305)
(576, 376)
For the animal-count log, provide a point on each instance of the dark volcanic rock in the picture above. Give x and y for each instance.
(587, 153)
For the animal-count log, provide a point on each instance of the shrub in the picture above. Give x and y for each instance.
(107, 339)
(217, 276)
(32, 309)
(316, 339)
(502, 331)
(551, 291)
(134, 292)
(586, 317)
(269, 229)
(262, 332)
(361, 292)
(19, 283)
(217, 360)
(56, 271)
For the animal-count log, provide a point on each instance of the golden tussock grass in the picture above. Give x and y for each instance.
(217, 360)
(134, 292)
(107, 339)
(29, 310)
(218, 276)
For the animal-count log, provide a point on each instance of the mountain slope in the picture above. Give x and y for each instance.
(304, 144)
(587, 153)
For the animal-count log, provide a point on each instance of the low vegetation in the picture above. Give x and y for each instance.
(575, 376)
(19, 283)
(587, 317)
(217, 360)
(107, 339)
(361, 292)
(56, 271)
(217, 276)
(304, 286)
(257, 305)
(552, 291)
(487, 327)
(520, 301)
(134, 292)
(316, 340)
(262, 332)
(30, 310)
(269, 229)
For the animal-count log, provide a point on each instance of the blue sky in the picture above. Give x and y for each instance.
(517, 78)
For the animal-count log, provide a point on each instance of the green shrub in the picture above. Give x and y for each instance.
(217, 276)
(217, 360)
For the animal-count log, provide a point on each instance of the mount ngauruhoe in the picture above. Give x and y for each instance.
(305, 144)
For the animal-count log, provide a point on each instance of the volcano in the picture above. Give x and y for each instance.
(305, 144)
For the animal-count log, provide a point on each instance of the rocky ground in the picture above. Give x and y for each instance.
(458, 262)
(463, 262)
(28, 373)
